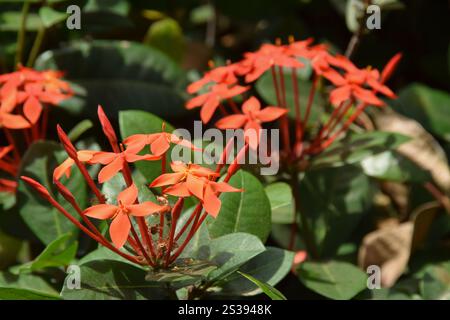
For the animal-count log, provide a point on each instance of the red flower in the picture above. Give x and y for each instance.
(252, 118)
(65, 167)
(120, 213)
(8, 120)
(211, 100)
(221, 75)
(114, 162)
(159, 142)
(269, 55)
(354, 85)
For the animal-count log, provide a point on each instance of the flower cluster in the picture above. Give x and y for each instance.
(134, 233)
(25, 98)
(350, 90)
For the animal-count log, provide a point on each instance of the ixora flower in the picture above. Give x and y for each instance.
(120, 226)
(251, 119)
(347, 85)
(125, 212)
(25, 97)
(159, 142)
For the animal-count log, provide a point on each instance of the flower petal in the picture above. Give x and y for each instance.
(234, 121)
(32, 109)
(128, 196)
(144, 209)
(211, 202)
(167, 179)
(101, 211)
(110, 170)
(270, 114)
(195, 186)
(160, 145)
(251, 105)
(178, 190)
(120, 229)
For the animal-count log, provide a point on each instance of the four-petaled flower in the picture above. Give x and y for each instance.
(115, 162)
(126, 206)
(159, 142)
(210, 101)
(251, 119)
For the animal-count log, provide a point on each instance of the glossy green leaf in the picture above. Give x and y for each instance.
(281, 202)
(25, 282)
(334, 200)
(247, 211)
(142, 77)
(80, 129)
(333, 279)
(270, 267)
(228, 253)
(357, 147)
(113, 280)
(270, 291)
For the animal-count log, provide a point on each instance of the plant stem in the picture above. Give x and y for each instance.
(22, 32)
(36, 46)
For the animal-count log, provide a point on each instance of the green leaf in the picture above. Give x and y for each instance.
(357, 147)
(333, 279)
(435, 283)
(24, 294)
(9, 249)
(166, 35)
(11, 21)
(427, 106)
(141, 122)
(51, 17)
(228, 252)
(142, 77)
(281, 202)
(58, 253)
(46, 222)
(113, 280)
(334, 200)
(247, 211)
(266, 90)
(270, 267)
(270, 291)
(118, 7)
(393, 166)
(25, 281)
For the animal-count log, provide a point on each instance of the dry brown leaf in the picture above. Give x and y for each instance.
(390, 247)
(423, 149)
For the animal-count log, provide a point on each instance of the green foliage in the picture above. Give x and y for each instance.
(281, 202)
(142, 77)
(42, 218)
(333, 279)
(247, 211)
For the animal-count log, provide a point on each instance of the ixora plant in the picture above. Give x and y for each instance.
(26, 96)
(305, 138)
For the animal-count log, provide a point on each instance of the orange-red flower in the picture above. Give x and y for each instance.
(114, 162)
(210, 101)
(256, 63)
(7, 119)
(252, 118)
(223, 75)
(120, 213)
(65, 167)
(356, 83)
(159, 142)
